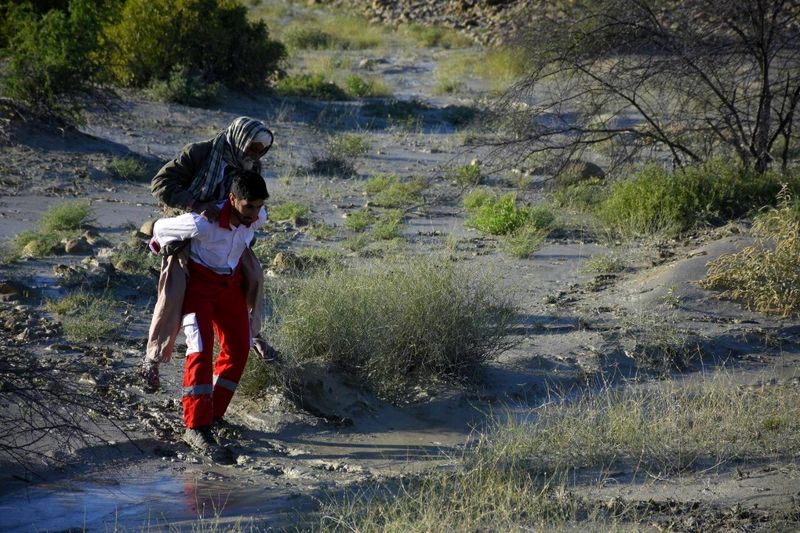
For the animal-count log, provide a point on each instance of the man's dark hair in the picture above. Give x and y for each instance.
(249, 185)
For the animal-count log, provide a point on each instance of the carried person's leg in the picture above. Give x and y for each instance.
(166, 319)
(253, 284)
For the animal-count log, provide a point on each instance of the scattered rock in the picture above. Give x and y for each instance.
(286, 262)
(577, 172)
(11, 290)
(79, 246)
(147, 228)
(94, 239)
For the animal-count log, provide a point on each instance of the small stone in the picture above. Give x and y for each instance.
(94, 239)
(79, 246)
(87, 379)
(58, 347)
(11, 290)
(147, 228)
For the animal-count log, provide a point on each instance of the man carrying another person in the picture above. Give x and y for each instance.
(197, 181)
(215, 302)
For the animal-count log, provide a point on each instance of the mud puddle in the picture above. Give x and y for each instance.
(162, 501)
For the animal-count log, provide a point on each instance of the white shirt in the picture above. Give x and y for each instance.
(215, 245)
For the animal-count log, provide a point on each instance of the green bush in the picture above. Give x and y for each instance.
(357, 87)
(67, 216)
(85, 317)
(392, 327)
(524, 241)
(303, 37)
(128, 169)
(433, 36)
(341, 152)
(585, 196)
(467, 175)
(51, 58)
(659, 201)
(292, 211)
(500, 216)
(397, 193)
(212, 39)
(309, 85)
(183, 87)
(358, 221)
(477, 198)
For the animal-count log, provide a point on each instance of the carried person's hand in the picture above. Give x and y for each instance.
(208, 210)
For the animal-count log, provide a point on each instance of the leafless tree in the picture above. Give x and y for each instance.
(45, 410)
(689, 79)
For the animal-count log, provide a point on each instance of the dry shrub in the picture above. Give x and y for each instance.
(765, 276)
(394, 325)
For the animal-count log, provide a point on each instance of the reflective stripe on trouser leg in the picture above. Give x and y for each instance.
(198, 409)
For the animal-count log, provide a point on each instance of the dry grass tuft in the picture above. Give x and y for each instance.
(519, 477)
(764, 276)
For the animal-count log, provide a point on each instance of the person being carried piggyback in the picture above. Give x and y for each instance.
(197, 181)
(214, 302)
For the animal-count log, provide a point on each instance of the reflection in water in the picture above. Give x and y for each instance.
(147, 504)
(114, 503)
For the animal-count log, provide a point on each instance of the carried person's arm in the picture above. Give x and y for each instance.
(171, 183)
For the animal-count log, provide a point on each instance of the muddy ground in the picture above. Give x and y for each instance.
(573, 326)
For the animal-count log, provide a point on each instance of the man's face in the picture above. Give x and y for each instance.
(254, 150)
(245, 211)
(252, 154)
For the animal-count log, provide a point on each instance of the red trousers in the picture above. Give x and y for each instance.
(213, 303)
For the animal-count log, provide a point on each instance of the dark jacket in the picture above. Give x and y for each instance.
(171, 184)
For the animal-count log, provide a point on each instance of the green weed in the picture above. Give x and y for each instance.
(467, 175)
(657, 201)
(436, 36)
(67, 216)
(86, 317)
(128, 169)
(297, 214)
(59, 223)
(586, 196)
(395, 192)
(341, 153)
(322, 232)
(523, 241)
(500, 216)
(357, 87)
(309, 85)
(359, 221)
(184, 87)
(604, 264)
(389, 225)
(300, 36)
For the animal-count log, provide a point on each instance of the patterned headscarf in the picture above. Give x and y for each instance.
(228, 148)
